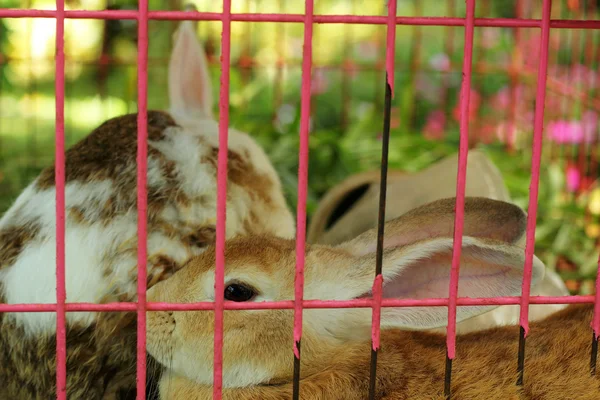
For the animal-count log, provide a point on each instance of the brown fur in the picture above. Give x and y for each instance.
(241, 172)
(13, 239)
(108, 149)
(411, 366)
(112, 148)
(109, 153)
(95, 355)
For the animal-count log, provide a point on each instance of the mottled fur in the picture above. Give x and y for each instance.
(101, 236)
(257, 347)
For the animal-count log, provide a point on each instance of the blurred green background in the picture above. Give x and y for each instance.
(347, 98)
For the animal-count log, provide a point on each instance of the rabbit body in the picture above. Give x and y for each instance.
(101, 236)
(411, 367)
(417, 255)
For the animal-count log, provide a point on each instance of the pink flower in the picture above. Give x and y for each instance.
(573, 178)
(435, 125)
(568, 132)
(440, 62)
(556, 131)
(581, 75)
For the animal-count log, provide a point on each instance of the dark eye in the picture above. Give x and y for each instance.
(238, 292)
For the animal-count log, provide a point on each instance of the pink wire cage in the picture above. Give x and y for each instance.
(142, 15)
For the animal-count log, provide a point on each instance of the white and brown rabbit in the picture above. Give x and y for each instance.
(101, 232)
(257, 353)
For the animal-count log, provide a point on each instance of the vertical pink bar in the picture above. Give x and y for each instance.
(59, 167)
(221, 199)
(142, 199)
(303, 172)
(596, 320)
(390, 56)
(461, 177)
(376, 318)
(391, 43)
(538, 127)
(592, 172)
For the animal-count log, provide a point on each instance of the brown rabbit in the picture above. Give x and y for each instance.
(257, 358)
(101, 233)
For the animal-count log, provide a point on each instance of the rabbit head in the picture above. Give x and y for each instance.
(191, 104)
(416, 264)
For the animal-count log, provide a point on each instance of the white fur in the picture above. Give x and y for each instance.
(239, 374)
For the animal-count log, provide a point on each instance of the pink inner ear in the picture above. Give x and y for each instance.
(431, 279)
(189, 83)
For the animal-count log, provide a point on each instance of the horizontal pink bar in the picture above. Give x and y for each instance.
(72, 14)
(289, 304)
(299, 18)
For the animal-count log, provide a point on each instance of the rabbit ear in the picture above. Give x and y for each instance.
(190, 87)
(483, 218)
(417, 260)
(487, 269)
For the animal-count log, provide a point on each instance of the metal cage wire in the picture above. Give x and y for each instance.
(143, 15)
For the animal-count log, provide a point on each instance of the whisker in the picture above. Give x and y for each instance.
(170, 367)
(154, 372)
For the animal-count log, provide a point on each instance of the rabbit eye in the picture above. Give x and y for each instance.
(238, 292)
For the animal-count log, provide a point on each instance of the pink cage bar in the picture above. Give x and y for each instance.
(143, 15)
